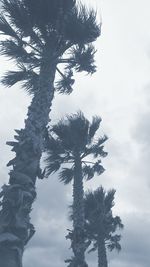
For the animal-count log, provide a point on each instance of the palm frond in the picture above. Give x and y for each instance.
(12, 50)
(97, 200)
(31, 83)
(48, 12)
(52, 167)
(12, 77)
(60, 129)
(79, 126)
(18, 15)
(6, 29)
(97, 150)
(37, 19)
(21, 20)
(114, 243)
(117, 223)
(109, 199)
(101, 140)
(89, 200)
(53, 145)
(54, 155)
(98, 168)
(94, 126)
(64, 86)
(83, 59)
(29, 79)
(94, 146)
(88, 172)
(66, 175)
(81, 26)
(73, 131)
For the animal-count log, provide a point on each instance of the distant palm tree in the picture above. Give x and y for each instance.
(101, 225)
(38, 36)
(72, 142)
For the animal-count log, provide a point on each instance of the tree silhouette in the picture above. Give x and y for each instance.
(38, 36)
(101, 225)
(72, 142)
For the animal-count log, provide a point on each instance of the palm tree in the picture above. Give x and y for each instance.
(72, 142)
(38, 36)
(100, 224)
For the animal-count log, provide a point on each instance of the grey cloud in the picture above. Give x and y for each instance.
(135, 244)
(141, 135)
(142, 131)
(45, 257)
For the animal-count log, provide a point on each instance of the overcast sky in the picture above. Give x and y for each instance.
(120, 93)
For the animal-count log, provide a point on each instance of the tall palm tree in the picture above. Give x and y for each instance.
(72, 142)
(38, 36)
(101, 225)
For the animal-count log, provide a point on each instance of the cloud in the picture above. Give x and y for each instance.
(135, 244)
(50, 213)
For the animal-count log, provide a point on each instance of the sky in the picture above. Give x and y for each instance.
(119, 92)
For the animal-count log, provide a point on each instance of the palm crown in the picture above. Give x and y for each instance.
(75, 135)
(38, 31)
(100, 220)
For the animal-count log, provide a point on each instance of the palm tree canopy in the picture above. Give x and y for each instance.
(99, 218)
(72, 135)
(37, 31)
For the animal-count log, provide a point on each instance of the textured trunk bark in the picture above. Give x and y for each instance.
(78, 243)
(10, 257)
(102, 257)
(19, 194)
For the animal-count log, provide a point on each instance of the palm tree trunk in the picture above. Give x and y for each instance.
(19, 194)
(78, 243)
(10, 257)
(102, 257)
